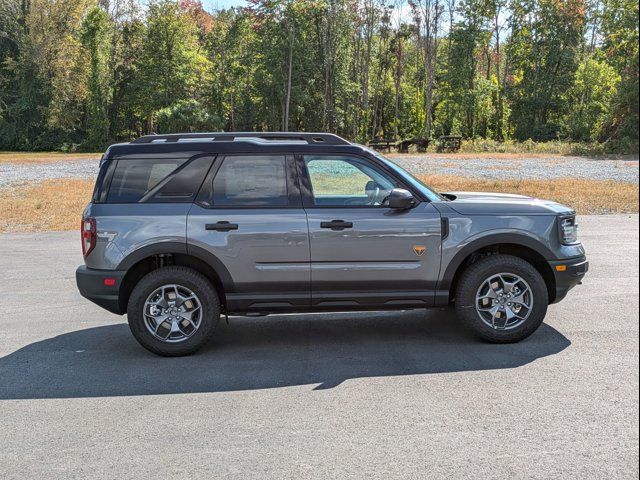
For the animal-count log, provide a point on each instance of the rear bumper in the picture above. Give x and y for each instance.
(570, 274)
(91, 284)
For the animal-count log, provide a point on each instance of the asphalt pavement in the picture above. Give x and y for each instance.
(350, 395)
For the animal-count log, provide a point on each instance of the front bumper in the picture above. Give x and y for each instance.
(102, 287)
(568, 273)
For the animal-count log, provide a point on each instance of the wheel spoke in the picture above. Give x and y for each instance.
(491, 294)
(492, 309)
(520, 298)
(158, 331)
(493, 319)
(184, 300)
(189, 314)
(507, 286)
(181, 326)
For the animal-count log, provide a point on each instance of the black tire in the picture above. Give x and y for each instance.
(472, 279)
(185, 277)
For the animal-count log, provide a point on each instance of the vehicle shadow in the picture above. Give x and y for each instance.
(277, 351)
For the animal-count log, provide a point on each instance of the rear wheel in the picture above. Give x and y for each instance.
(173, 311)
(502, 299)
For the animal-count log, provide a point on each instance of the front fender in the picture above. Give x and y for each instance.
(470, 234)
(486, 241)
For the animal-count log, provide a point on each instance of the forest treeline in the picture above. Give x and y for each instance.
(79, 74)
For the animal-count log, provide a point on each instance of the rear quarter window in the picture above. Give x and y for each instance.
(158, 180)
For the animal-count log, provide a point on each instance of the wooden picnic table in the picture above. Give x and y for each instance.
(421, 143)
(402, 145)
(382, 144)
(449, 143)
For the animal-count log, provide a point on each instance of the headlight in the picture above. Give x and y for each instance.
(568, 229)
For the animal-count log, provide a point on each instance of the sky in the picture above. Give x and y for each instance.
(211, 5)
(402, 13)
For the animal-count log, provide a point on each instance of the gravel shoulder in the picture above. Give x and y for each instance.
(485, 167)
(21, 173)
(539, 168)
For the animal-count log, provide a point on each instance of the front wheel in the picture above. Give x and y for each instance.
(501, 299)
(173, 311)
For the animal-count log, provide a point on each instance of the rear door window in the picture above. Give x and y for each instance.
(251, 180)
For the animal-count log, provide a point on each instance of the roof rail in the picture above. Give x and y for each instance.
(310, 138)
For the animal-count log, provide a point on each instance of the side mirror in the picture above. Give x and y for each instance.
(400, 199)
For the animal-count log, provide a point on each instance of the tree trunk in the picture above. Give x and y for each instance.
(232, 113)
(285, 126)
(431, 42)
(397, 79)
(499, 126)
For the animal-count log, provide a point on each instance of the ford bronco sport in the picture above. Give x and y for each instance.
(183, 228)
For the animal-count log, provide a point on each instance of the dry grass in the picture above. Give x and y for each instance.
(472, 156)
(44, 157)
(58, 204)
(585, 196)
(44, 206)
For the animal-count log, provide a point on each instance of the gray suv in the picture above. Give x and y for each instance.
(184, 228)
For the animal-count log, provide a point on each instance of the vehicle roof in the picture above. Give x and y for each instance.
(234, 142)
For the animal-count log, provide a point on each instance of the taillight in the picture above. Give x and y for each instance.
(88, 234)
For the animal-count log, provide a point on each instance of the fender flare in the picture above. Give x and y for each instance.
(491, 239)
(181, 249)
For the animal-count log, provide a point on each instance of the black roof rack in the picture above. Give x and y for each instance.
(311, 138)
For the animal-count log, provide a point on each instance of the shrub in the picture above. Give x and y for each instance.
(187, 116)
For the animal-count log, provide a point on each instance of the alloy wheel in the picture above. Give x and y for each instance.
(172, 313)
(504, 301)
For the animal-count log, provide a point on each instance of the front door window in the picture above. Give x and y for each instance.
(341, 181)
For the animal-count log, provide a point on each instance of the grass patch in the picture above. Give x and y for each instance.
(585, 196)
(44, 206)
(44, 157)
(58, 204)
(512, 149)
(552, 147)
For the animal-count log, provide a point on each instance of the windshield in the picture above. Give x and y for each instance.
(407, 177)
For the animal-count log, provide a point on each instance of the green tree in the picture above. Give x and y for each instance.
(172, 63)
(85, 72)
(126, 114)
(620, 47)
(590, 100)
(467, 93)
(95, 35)
(544, 49)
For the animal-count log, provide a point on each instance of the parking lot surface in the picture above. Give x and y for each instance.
(352, 395)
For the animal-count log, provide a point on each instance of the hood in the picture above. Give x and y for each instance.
(489, 203)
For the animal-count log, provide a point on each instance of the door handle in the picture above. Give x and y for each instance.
(336, 225)
(222, 226)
